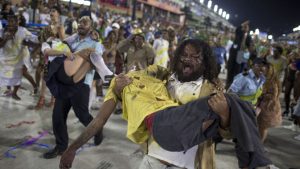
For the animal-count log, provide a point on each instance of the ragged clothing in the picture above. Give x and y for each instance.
(204, 157)
(180, 128)
(144, 96)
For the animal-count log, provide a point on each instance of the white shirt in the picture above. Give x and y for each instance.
(26, 16)
(45, 18)
(94, 17)
(186, 91)
(15, 46)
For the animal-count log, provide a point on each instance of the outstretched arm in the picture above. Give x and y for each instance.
(95, 125)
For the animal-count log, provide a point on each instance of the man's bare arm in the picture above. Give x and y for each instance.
(96, 124)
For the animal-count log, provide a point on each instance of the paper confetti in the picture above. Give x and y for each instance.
(19, 124)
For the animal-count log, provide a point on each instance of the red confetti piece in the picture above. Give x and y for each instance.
(19, 124)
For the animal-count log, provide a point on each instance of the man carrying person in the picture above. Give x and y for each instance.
(76, 95)
(190, 81)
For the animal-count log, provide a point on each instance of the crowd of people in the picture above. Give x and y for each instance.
(161, 75)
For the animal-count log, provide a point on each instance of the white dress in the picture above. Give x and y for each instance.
(12, 58)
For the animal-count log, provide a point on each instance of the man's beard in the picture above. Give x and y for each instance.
(83, 33)
(192, 77)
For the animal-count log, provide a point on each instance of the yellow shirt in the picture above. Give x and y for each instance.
(144, 96)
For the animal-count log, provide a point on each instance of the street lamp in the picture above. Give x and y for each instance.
(216, 8)
(296, 29)
(251, 32)
(220, 11)
(227, 16)
(209, 4)
(224, 14)
(85, 2)
(256, 31)
(270, 37)
(201, 1)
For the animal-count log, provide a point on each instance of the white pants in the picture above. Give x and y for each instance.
(149, 162)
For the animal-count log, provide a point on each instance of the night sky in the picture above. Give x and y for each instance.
(272, 16)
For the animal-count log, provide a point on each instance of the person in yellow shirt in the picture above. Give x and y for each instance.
(278, 61)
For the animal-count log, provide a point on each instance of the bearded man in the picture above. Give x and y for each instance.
(76, 95)
(147, 96)
(189, 81)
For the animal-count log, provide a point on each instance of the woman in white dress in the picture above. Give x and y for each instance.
(12, 51)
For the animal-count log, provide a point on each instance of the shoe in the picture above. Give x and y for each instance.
(285, 113)
(98, 138)
(35, 90)
(15, 96)
(297, 137)
(292, 118)
(53, 153)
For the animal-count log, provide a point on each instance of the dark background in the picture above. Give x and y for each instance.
(275, 17)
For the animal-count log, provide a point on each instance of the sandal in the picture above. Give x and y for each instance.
(40, 103)
(7, 93)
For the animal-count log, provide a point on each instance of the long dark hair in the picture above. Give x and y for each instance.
(22, 21)
(209, 62)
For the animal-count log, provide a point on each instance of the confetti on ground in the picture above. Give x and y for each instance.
(19, 124)
(29, 142)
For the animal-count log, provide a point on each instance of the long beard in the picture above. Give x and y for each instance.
(193, 77)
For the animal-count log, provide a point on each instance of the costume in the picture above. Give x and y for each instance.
(136, 58)
(147, 95)
(180, 128)
(161, 47)
(202, 155)
(279, 64)
(12, 57)
(269, 102)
